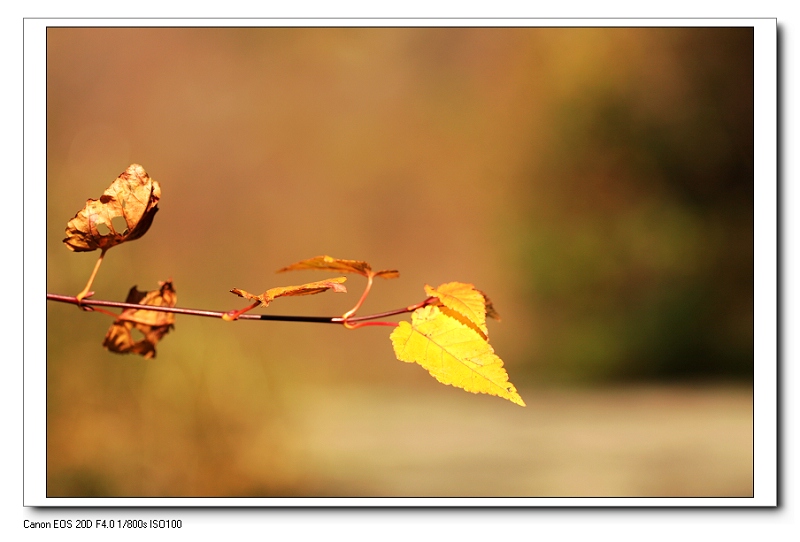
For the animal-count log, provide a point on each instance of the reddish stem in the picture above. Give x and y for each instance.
(346, 316)
(348, 325)
(103, 311)
(426, 301)
(230, 316)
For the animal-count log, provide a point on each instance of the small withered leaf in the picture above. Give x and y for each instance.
(327, 263)
(153, 325)
(133, 196)
(334, 285)
(387, 274)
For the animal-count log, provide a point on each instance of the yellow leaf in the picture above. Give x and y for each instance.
(464, 299)
(153, 325)
(327, 263)
(286, 291)
(453, 353)
(133, 196)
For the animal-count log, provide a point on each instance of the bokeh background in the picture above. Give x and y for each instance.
(596, 183)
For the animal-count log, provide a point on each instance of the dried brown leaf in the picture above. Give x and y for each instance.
(387, 274)
(153, 325)
(327, 263)
(133, 196)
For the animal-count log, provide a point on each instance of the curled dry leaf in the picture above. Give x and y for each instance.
(453, 353)
(152, 325)
(133, 196)
(311, 288)
(327, 263)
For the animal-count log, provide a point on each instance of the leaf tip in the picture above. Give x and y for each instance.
(387, 274)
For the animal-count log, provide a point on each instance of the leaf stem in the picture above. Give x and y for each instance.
(102, 311)
(85, 292)
(230, 316)
(346, 316)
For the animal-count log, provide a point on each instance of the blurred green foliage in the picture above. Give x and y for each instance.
(640, 248)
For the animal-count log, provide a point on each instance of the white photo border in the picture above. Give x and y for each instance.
(765, 406)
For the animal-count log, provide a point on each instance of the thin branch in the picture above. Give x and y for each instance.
(357, 325)
(219, 314)
(85, 292)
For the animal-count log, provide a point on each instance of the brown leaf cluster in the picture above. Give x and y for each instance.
(133, 196)
(152, 325)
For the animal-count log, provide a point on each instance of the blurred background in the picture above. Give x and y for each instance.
(597, 184)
